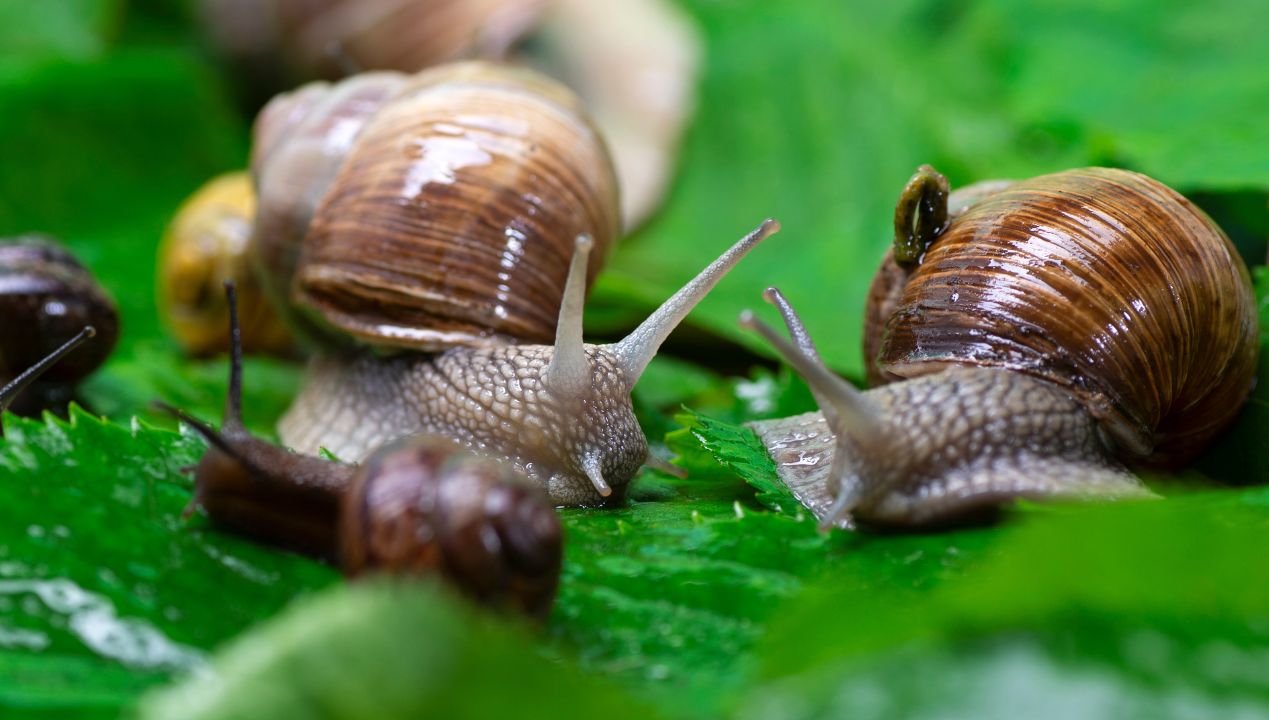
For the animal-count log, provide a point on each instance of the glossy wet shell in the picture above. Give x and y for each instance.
(46, 297)
(453, 217)
(206, 245)
(1103, 281)
(423, 505)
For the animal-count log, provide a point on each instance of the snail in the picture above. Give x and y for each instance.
(46, 298)
(444, 210)
(634, 62)
(1038, 338)
(205, 245)
(419, 505)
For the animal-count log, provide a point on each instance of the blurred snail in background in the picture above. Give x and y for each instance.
(634, 62)
(205, 245)
(48, 298)
(437, 213)
(1036, 336)
(417, 506)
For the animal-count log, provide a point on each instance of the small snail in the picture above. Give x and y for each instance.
(1037, 335)
(419, 505)
(438, 213)
(46, 298)
(206, 245)
(634, 62)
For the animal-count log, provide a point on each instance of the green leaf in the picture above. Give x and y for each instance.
(1121, 598)
(388, 651)
(104, 587)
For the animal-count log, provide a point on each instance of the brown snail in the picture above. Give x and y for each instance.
(205, 245)
(420, 505)
(445, 208)
(634, 62)
(48, 297)
(1037, 336)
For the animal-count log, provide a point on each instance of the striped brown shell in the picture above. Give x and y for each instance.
(425, 506)
(452, 212)
(1104, 281)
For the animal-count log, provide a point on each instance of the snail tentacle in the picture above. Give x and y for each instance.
(31, 374)
(568, 373)
(636, 350)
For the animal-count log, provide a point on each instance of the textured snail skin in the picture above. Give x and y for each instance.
(955, 443)
(493, 401)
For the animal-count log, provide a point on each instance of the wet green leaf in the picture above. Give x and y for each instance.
(104, 588)
(389, 651)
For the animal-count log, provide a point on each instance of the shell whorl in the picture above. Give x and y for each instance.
(450, 215)
(1103, 281)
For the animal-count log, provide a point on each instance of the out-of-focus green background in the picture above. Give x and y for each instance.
(697, 598)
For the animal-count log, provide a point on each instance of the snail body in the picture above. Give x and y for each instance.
(1038, 336)
(48, 297)
(418, 506)
(454, 223)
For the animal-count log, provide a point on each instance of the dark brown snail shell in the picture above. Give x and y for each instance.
(1103, 281)
(423, 505)
(46, 298)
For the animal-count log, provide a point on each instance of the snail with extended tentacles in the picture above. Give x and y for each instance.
(438, 213)
(420, 505)
(1035, 335)
(48, 297)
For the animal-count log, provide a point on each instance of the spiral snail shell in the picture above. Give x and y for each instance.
(461, 212)
(418, 506)
(440, 208)
(1044, 331)
(205, 245)
(47, 297)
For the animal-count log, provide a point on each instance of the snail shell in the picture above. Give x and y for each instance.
(423, 505)
(46, 298)
(1105, 282)
(206, 245)
(281, 42)
(453, 201)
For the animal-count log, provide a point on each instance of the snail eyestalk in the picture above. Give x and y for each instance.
(233, 400)
(920, 216)
(858, 417)
(20, 383)
(569, 371)
(636, 350)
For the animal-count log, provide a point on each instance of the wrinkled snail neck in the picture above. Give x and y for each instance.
(15, 386)
(569, 375)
